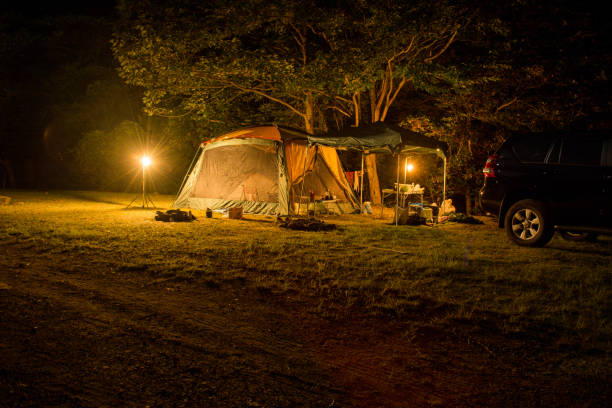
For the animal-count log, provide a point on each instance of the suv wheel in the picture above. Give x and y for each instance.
(527, 223)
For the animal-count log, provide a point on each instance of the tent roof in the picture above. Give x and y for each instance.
(267, 132)
(375, 138)
(380, 138)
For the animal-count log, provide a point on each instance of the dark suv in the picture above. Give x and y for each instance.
(537, 183)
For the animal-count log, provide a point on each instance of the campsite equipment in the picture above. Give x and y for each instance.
(265, 170)
(271, 169)
(407, 216)
(208, 213)
(384, 138)
(464, 219)
(447, 207)
(305, 224)
(174, 216)
(427, 213)
(235, 213)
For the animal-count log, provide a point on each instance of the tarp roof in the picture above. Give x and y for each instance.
(267, 132)
(375, 138)
(380, 138)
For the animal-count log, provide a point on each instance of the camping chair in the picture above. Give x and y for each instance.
(249, 193)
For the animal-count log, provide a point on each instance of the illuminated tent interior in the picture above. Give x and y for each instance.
(384, 138)
(265, 170)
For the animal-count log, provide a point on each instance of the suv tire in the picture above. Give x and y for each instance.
(527, 223)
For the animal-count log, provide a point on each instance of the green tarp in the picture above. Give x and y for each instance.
(380, 138)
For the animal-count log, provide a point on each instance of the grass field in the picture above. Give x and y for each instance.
(452, 275)
(467, 269)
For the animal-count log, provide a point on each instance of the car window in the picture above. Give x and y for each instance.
(532, 148)
(586, 152)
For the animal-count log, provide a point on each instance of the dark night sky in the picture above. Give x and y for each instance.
(37, 9)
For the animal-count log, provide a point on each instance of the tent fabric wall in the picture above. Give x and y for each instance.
(295, 153)
(235, 172)
(332, 161)
(321, 180)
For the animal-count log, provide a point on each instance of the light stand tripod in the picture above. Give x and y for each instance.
(146, 199)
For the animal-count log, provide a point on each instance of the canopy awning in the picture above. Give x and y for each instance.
(380, 138)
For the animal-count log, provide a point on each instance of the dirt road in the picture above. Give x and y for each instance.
(86, 336)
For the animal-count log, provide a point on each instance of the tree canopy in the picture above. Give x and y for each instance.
(310, 59)
(463, 72)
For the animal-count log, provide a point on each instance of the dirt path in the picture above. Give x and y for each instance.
(102, 340)
(84, 336)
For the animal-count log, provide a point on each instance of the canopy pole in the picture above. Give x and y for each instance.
(444, 183)
(361, 187)
(303, 180)
(397, 192)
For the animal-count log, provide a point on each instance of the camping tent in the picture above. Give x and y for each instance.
(265, 170)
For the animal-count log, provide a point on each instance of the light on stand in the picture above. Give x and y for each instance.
(145, 162)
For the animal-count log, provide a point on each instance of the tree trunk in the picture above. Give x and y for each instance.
(468, 201)
(372, 104)
(372, 171)
(309, 114)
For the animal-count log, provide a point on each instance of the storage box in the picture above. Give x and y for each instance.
(235, 213)
(427, 213)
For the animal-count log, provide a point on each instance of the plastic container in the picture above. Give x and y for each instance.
(235, 213)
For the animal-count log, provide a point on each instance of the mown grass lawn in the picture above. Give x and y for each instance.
(450, 273)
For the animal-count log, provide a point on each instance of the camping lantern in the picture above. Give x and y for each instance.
(408, 167)
(145, 162)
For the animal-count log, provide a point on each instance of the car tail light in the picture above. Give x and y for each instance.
(489, 169)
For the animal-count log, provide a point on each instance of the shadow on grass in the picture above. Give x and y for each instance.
(90, 197)
(605, 249)
(262, 220)
(138, 208)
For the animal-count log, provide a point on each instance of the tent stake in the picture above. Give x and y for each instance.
(397, 192)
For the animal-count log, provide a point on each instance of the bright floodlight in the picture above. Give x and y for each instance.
(146, 161)
(409, 167)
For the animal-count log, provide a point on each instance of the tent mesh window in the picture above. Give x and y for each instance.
(243, 172)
